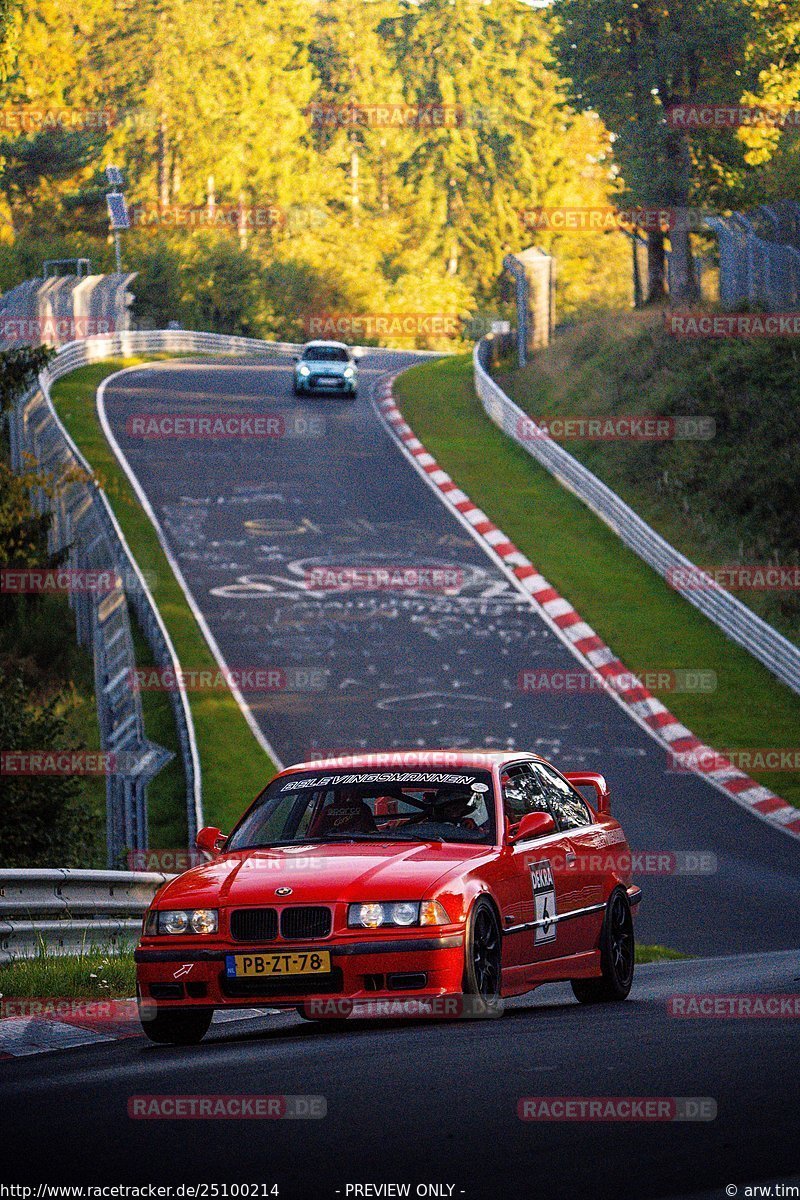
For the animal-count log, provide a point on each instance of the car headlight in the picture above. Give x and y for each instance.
(204, 920)
(399, 913)
(177, 921)
(304, 371)
(349, 372)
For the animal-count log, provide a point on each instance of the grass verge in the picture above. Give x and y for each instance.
(655, 953)
(234, 767)
(647, 624)
(97, 973)
(730, 498)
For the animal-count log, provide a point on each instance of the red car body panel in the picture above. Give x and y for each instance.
(585, 864)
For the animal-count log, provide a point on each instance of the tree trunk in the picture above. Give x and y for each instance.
(656, 267)
(162, 156)
(683, 285)
(355, 191)
(637, 277)
(684, 288)
(384, 179)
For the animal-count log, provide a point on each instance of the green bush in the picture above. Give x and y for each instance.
(44, 819)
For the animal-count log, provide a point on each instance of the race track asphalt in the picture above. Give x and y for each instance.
(419, 1102)
(247, 520)
(422, 1102)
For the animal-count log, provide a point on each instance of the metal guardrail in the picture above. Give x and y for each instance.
(735, 619)
(83, 524)
(68, 911)
(759, 257)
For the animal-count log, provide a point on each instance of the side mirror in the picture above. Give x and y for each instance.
(209, 839)
(532, 825)
(295, 358)
(595, 780)
(358, 352)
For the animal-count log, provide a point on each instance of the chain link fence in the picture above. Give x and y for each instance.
(759, 257)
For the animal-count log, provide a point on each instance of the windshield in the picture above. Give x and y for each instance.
(326, 354)
(380, 806)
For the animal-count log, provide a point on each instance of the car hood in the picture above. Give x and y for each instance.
(330, 368)
(321, 874)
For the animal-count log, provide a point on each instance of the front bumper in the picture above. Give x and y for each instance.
(424, 965)
(320, 384)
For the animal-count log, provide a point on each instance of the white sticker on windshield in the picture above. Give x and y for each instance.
(480, 787)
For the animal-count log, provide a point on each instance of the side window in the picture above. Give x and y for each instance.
(566, 805)
(523, 793)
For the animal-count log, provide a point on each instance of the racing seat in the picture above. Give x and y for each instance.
(348, 816)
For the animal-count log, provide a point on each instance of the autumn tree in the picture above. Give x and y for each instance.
(634, 60)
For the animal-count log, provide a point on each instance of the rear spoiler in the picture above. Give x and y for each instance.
(595, 780)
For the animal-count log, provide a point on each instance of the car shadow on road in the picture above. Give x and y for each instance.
(566, 1011)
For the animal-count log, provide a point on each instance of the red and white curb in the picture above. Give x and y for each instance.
(25, 1035)
(583, 642)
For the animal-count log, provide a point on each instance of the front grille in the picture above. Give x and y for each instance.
(254, 925)
(288, 985)
(298, 923)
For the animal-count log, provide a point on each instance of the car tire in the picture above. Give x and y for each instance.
(177, 1026)
(483, 952)
(617, 955)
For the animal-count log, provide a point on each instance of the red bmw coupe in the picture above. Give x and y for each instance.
(425, 875)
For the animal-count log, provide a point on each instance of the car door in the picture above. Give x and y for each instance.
(587, 860)
(533, 890)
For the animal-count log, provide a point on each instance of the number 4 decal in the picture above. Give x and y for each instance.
(544, 900)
